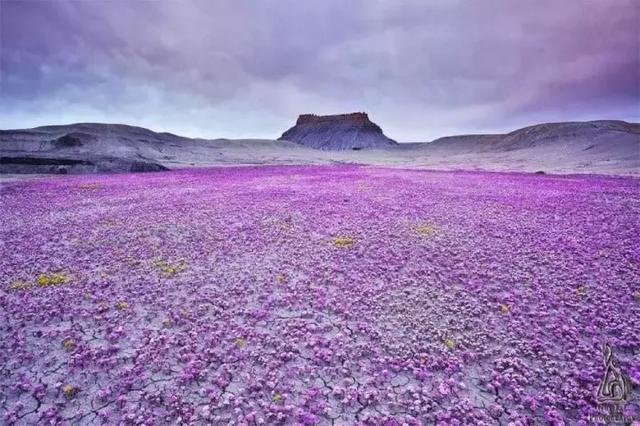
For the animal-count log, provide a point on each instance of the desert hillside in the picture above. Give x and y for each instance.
(602, 147)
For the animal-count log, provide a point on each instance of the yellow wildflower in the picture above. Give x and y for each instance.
(20, 285)
(343, 242)
(122, 305)
(69, 390)
(169, 270)
(425, 230)
(68, 343)
(49, 280)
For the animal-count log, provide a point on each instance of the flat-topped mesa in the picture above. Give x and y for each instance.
(354, 117)
(337, 132)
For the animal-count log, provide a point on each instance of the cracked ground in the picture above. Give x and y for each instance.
(316, 295)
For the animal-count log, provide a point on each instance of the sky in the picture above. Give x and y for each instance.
(247, 68)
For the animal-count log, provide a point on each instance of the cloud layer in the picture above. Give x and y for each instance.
(246, 68)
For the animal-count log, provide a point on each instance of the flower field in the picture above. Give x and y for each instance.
(316, 295)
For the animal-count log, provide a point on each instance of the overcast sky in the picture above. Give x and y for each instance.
(247, 68)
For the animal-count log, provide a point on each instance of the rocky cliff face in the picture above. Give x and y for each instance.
(337, 132)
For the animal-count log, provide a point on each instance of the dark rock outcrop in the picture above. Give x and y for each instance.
(74, 165)
(73, 139)
(337, 132)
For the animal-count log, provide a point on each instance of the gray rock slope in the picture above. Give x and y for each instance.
(607, 147)
(80, 148)
(604, 135)
(337, 132)
(106, 148)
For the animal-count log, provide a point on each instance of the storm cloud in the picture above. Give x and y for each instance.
(247, 68)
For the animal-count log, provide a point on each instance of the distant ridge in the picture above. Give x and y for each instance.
(603, 147)
(353, 131)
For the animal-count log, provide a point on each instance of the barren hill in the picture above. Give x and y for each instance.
(337, 132)
(604, 147)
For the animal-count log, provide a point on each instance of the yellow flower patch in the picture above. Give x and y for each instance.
(19, 285)
(122, 305)
(51, 280)
(69, 390)
(425, 230)
(169, 270)
(343, 242)
(68, 344)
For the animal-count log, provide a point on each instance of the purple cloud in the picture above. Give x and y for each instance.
(246, 68)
